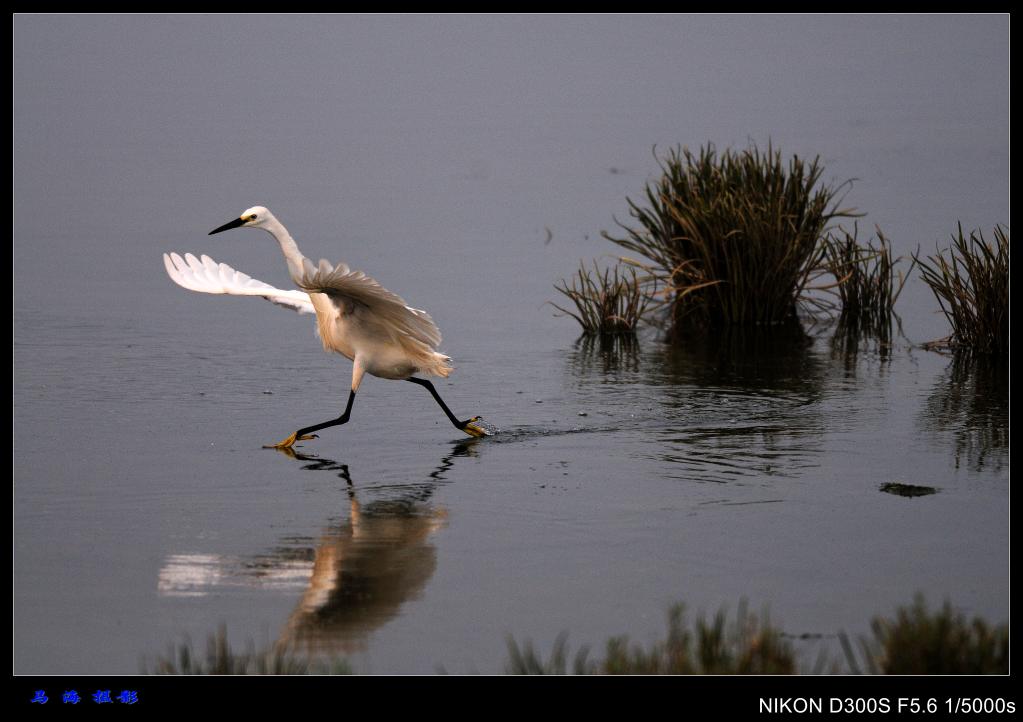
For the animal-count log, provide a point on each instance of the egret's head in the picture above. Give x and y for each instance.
(253, 217)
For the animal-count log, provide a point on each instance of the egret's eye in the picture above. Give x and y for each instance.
(252, 217)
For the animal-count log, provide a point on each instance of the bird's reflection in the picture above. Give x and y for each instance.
(367, 566)
(355, 576)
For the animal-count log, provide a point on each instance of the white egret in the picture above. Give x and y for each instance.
(355, 317)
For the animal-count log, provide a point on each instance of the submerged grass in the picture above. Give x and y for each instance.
(733, 238)
(918, 641)
(972, 288)
(907, 490)
(608, 302)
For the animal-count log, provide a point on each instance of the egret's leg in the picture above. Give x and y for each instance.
(306, 433)
(468, 426)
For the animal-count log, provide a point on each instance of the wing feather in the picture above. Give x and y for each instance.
(344, 285)
(207, 276)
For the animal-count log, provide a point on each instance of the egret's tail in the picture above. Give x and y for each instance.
(441, 366)
(426, 360)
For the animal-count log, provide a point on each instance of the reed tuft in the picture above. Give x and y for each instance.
(867, 282)
(220, 659)
(918, 641)
(606, 302)
(972, 288)
(720, 646)
(732, 238)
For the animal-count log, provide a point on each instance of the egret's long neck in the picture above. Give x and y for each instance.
(289, 248)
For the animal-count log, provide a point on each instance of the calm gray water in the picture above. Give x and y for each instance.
(438, 155)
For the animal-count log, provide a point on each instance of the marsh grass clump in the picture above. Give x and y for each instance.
(919, 641)
(972, 288)
(744, 646)
(607, 302)
(221, 659)
(528, 661)
(867, 282)
(733, 238)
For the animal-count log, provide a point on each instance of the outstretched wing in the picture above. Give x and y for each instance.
(351, 290)
(208, 276)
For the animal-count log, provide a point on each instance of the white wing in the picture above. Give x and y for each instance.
(345, 286)
(208, 276)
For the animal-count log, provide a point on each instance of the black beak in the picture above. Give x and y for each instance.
(228, 226)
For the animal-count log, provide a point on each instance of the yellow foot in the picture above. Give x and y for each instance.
(477, 428)
(289, 442)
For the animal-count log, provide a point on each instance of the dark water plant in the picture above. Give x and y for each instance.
(732, 238)
(909, 491)
(972, 288)
(918, 641)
